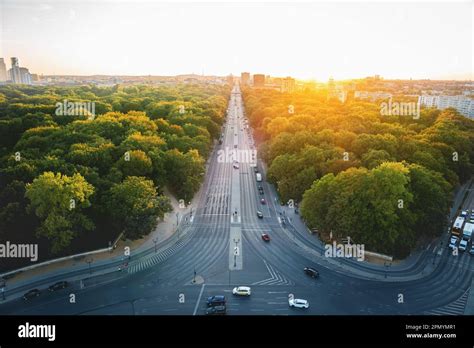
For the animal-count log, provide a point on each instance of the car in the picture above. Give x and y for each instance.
(464, 213)
(236, 165)
(311, 272)
(453, 243)
(216, 300)
(241, 291)
(216, 310)
(259, 215)
(296, 211)
(472, 250)
(58, 286)
(263, 201)
(463, 245)
(298, 303)
(265, 237)
(255, 169)
(31, 294)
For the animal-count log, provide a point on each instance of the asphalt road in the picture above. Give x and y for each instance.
(203, 264)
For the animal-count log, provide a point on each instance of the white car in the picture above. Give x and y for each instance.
(453, 242)
(242, 291)
(463, 245)
(236, 165)
(298, 303)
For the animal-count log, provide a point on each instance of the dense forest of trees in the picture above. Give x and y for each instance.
(385, 181)
(75, 182)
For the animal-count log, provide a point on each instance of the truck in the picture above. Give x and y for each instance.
(457, 226)
(259, 177)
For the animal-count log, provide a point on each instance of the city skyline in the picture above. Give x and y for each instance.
(277, 39)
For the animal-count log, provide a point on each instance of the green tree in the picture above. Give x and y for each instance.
(58, 201)
(135, 206)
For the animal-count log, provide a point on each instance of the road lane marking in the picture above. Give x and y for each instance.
(199, 299)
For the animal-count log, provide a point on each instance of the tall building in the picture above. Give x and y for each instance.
(259, 80)
(18, 74)
(3, 70)
(15, 76)
(25, 76)
(245, 79)
(288, 84)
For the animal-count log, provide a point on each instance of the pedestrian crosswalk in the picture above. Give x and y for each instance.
(276, 277)
(154, 259)
(454, 308)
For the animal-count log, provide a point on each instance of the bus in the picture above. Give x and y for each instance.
(457, 226)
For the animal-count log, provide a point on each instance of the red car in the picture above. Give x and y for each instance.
(265, 237)
(263, 201)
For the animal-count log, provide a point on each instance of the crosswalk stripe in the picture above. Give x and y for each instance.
(454, 308)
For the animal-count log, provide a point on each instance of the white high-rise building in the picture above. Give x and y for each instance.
(3, 71)
(18, 74)
(15, 75)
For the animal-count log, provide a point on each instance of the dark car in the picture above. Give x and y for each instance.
(259, 215)
(255, 169)
(217, 300)
(58, 286)
(265, 237)
(263, 201)
(311, 272)
(216, 310)
(31, 294)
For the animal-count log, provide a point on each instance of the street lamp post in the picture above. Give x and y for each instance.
(194, 277)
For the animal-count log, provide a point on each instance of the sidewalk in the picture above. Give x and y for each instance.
(104, 263)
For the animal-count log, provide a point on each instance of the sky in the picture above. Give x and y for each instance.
(306, 40)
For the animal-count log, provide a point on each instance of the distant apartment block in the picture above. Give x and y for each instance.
(463, 104)
(288, 84)
(230, 79)
(372, 95)
(245, 79)
(259, 80)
